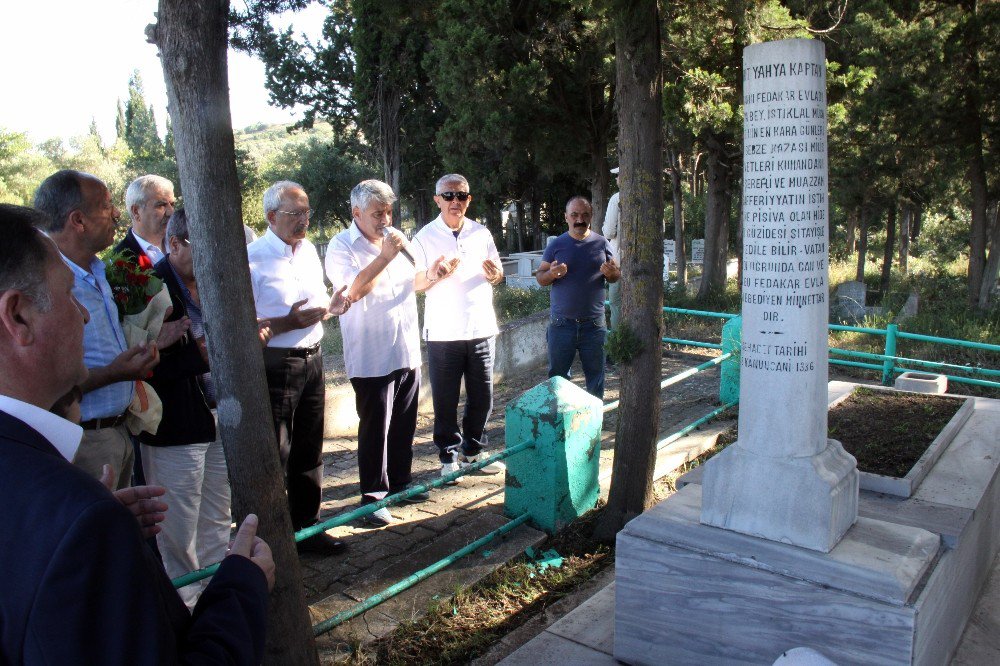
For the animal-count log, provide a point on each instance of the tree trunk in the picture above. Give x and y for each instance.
(717, 203)
(862, 243)
(422, 211)
(890, 248)
(904, 238)
(536, 220)
(192, 38)
(680, 256)
(640, 112)
(519, 226)
(852, 231)
(971, 127)
(599, 189)
(992, 270)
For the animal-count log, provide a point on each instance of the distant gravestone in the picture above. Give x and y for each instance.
(666, 268)
(849, 300)
(669, 250)
(698, 251)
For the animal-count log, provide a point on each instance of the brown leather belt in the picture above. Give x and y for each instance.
(100, 424)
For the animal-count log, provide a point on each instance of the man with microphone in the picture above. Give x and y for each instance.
(381, 339)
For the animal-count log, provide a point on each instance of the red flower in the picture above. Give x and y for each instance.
(121, 263)
(144, 262)
(121, 297)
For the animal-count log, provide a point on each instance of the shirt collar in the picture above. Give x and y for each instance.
(441, 224)
(145, 244)
(96, 267)
(278, 245)
(355, 232)
(59, 432)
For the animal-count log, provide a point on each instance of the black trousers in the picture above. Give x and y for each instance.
(298, 394)
(387, 407)
(449, 363)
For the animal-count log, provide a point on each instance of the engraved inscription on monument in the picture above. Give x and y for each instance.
(785, 210)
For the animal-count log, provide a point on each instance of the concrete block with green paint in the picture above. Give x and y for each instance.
(732, 341)
(557, 481)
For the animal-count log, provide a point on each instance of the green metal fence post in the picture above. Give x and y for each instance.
(890, 350)
(729, 382)
(557, 481)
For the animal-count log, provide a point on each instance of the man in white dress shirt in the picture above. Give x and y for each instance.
(288, 290)
(381, 342)
(460, 325)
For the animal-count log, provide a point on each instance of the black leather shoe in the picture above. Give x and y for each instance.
(321, 544)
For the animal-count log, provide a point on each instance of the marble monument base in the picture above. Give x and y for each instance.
(688, 593)
(809, 501)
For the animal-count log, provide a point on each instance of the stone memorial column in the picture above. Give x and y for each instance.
(783, 479)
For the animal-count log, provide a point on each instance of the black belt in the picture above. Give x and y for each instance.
(106, 422)
(297, 352)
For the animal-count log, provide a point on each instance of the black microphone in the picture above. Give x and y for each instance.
(403, 250)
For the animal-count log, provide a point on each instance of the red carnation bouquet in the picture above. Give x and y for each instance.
(133, 285)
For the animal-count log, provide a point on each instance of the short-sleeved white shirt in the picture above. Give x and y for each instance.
(459, 307)
(280, 278)
(381, 330)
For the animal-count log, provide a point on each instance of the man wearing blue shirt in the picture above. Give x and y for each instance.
(82, 222)
(577, 265)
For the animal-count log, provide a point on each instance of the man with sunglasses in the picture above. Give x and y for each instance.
(460, 325)
(288, 289)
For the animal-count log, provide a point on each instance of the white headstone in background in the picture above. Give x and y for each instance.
(669, 250)
(666, 268)
(783, 479)
(698, 251)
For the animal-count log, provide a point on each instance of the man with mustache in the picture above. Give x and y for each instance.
(288, 290)
(577, 265)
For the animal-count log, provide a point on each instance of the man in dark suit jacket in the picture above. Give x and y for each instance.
(150, 202)
(79, 585)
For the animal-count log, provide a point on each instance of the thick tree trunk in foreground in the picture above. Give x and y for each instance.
(192, 37)
(639, 85)
(717, 202)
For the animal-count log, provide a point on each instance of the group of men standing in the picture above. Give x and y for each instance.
(375, 273)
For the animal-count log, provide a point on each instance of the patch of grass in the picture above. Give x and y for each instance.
(457, 630)
(512, 303)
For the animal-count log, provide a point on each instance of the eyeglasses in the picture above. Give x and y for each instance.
(184, 241)
(451, 196)
(298, 213)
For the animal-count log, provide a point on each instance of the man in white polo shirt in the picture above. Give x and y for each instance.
(288, 290)
(460, 325)
(381, 342)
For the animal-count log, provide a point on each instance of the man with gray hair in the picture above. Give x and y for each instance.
(81, 221)
(460, 325)
(289, 292)
(381, 342)
(149, 201)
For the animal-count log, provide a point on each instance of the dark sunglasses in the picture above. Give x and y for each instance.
(451, 196)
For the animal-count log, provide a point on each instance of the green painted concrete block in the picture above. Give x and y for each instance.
(557, 481)
(732, 341)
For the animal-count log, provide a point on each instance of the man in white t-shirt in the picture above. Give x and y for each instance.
(460, 325)
(381, 342)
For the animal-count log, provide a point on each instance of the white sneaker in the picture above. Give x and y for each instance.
(450, 468)
(495, 467)
(380, 518)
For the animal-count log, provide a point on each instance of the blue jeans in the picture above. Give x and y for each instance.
(566, 337)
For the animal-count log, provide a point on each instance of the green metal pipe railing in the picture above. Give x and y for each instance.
(413, 579)
(989, 372)
(673, 379)
(368, 509)
(699, 313)
(691, 343)
(666, 441)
